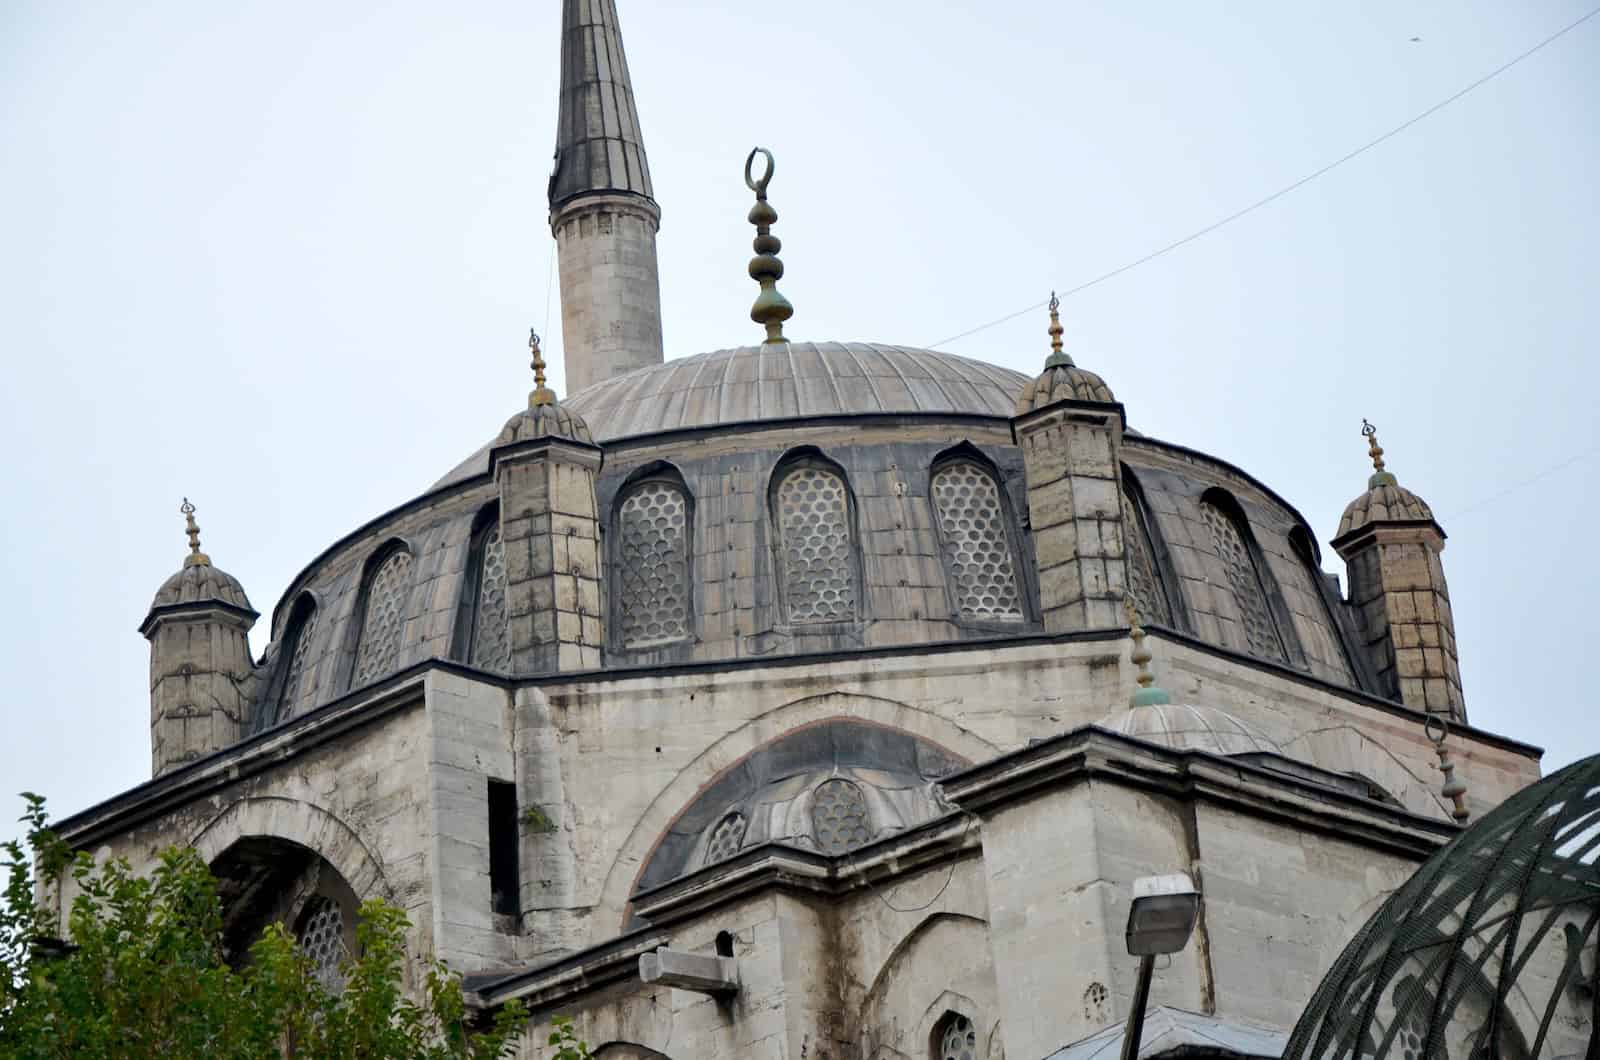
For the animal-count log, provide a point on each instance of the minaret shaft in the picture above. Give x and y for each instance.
(602, 208)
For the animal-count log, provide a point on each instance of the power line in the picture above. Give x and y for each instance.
(1281, 192)
(1515, 486)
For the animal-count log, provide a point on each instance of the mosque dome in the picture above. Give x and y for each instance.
(1187, 727)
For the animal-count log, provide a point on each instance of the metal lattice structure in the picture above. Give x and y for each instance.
(959, 1040)
(1488, 951)
(384, 617)
(839, 818)
(297, 663)
(1261, 632)
(818, 562)
(972, 527)
(322, 938)
(653, 524)
(491, 636)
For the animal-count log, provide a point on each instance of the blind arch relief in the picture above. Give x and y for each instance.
(977, 550)
(653, 536)
(383, 618)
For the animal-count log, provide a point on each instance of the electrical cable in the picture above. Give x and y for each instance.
(1281, 192)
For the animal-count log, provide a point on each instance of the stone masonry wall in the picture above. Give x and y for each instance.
(610, 288)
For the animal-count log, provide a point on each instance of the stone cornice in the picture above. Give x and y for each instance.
(1402, 530)
(556, 981)
(197, 611)
(1072, 410)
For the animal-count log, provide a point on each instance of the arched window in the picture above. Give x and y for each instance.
(726, 838)
(955, 1038)
(1144, 576)
(975, 541)
(321, 936)
(652, 533)
(297, 682)
(816, 543)
(839, 818)
(1231, 540)
(382, 618)
(490, 636)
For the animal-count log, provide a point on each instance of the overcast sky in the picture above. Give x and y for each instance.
(282, 258)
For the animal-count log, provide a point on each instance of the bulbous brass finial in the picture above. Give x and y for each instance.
(195, 558)
(1436, 729)
(541, 394)
(771, 309)
(1058, 358)
(1380, 477)
(1147, 694)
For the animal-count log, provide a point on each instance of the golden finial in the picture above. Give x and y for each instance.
(541, 394)
(1147, 694)
(771, 308)
(195, 558)
(1058, 358)
(1380, 477)
(1436, 729)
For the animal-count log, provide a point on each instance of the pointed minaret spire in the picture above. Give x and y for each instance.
(603, 211)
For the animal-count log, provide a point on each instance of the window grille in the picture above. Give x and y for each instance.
(1261, 632)
(491, 639)
(1144, 579)
(959, 1041)
(818, 555)
(653, 528)
(384, 619)
(977, 551)
(839, 817)
(726, 838)
(303, 635)
(322, 939)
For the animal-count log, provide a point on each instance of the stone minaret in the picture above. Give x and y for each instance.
(603, 212)
(1391, 547)
(200, 669)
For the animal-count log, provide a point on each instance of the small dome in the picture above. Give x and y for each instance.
(1062, 380)
(544, 421)
(199, 583)
(1386, 501)
(1185, 727)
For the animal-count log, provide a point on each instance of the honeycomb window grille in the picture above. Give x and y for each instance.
(1144, 578)
(322, 939)
(726, 838)
(294, 683)
(653, 572)
(977, 549)
(817, 545)
(839, 820)
(958, 1039)
(383, 618)
(1249, 593)
(491, 637)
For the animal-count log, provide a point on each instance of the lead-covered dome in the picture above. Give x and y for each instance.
(1386, 501)
(1188, 727)
(788, 380)
(201, 583)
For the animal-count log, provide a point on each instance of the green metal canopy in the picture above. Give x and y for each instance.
(1488, 951)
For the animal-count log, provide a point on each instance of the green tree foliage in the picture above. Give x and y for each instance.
(144, 975)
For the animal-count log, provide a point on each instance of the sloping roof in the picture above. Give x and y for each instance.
(598, 145)
(1168, 1029)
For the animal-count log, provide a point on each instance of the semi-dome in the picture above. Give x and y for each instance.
(788, 380)
(1189, 727)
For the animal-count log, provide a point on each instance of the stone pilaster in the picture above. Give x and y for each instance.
(550, 525)
(1071, 453)
(200, 679)
(1398, 590)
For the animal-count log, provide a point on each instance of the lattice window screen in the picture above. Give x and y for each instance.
(972, 526)
(322, 938)
(1143, 578)
(1248, 592)
(839, 817)
(297, 664)
(818, 553)
(491, 639)
(959, 1040)
(384, 619)
(726, 838)
(654, 532)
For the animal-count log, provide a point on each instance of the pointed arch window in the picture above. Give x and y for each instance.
(839, 820)
(975, 541)
(1231, 540)
(816, 543)
(955, 1038)
(1144, 576)
(653, 591)
(383, 618)
(490, 636)
(726, 838)
(298, 680)
(322, 937)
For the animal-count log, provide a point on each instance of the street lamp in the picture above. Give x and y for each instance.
(1159, 921)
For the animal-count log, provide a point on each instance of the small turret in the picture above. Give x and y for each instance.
(198, 628)
(1391, 546)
